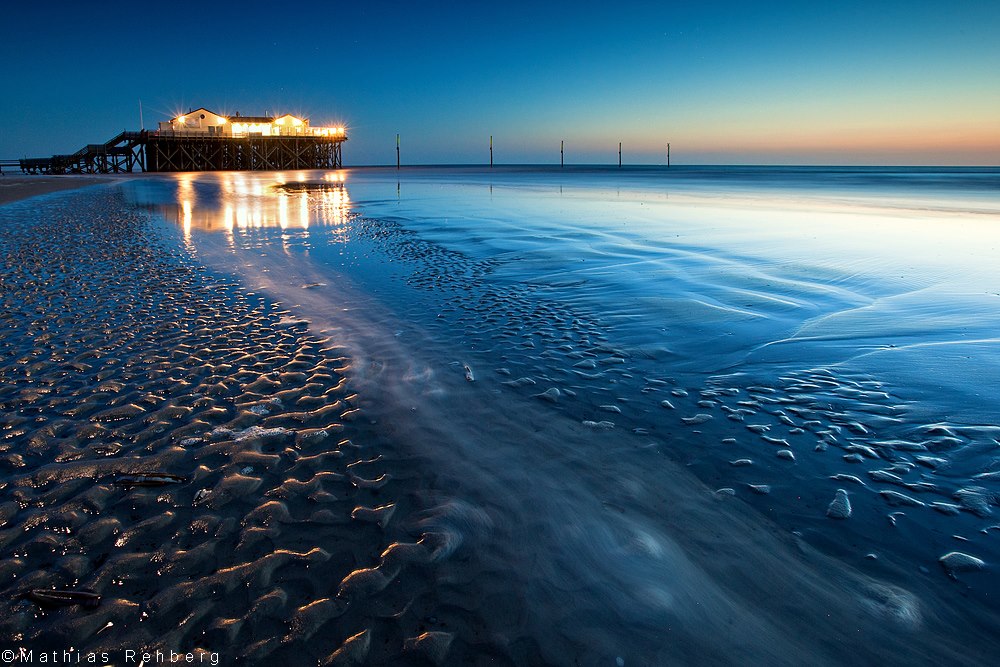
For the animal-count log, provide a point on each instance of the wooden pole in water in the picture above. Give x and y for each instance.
(491, 152)
(668, 154)
(397, 151)
(619, 155)
(562, 145)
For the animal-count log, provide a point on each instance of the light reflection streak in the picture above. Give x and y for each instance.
(186, 201)
(186, 208)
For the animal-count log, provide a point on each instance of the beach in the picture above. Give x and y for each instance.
(13, 188)
(516, 416)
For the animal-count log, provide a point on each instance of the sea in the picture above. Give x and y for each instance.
(637, 416)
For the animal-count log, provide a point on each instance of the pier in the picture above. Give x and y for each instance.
(202, 140)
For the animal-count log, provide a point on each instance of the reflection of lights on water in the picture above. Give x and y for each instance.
(283, 212)
(251, 201)
(186, 216)
(186, 195)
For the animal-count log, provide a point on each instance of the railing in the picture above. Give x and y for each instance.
(304, 132)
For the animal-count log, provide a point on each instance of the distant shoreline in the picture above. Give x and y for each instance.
(15, 188)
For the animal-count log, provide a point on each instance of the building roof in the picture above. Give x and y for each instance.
(251, 119)
(202, 109)
(237, 118)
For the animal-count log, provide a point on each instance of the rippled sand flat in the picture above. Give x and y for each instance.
(179, 447)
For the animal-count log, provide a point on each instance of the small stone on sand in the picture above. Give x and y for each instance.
(700, 418)
(840, 506)
(956, 561)
(551, 395)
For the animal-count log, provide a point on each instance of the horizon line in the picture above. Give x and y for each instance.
(610, 165)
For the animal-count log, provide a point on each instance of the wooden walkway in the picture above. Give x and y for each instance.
(124, 153)
(169, 151)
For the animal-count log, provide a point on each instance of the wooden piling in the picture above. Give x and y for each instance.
(166, 152)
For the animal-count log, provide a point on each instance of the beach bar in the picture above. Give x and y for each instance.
(202, 140)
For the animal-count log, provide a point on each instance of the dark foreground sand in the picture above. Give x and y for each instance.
(14, 188)
(120, 358)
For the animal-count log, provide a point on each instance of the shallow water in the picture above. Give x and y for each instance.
(623, 409)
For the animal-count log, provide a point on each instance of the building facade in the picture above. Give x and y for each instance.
(202, 122)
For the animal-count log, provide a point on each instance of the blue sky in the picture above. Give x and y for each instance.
(725, 82)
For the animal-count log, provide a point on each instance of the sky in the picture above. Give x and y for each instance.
(894, 82)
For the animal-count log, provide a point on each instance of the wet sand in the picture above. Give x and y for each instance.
(15, 188)
(187, 451)
(268, 464)
(550, 452)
